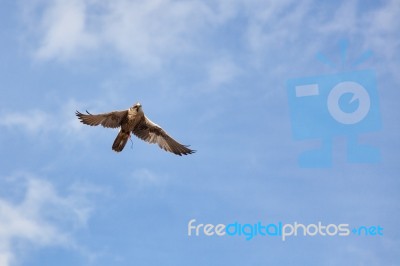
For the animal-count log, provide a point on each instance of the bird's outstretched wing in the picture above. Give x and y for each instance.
(112, 119)
(153, 133)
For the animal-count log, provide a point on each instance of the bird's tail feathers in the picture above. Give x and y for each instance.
(120, 141)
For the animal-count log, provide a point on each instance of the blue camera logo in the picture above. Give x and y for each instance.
(326, 106)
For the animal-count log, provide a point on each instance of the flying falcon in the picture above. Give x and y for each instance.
(133, 120)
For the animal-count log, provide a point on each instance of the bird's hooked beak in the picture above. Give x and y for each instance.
(137, 105)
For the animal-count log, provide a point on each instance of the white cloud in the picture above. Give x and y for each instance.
(42, 217)
(222, 71)
(151, 34)
(33, 121)
(144, 33)
(145, 178)
(381, 32)
(63, 120)
(64, 25)
(69, 124)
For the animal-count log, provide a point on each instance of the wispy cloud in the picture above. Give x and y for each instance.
(40, 216)
(144, 178)
(222, 71)
(68, 123)
(65, 30)
(150, 34)
(32, 121)
(144, 33)
(41, 122)
(270, 23)
(382, 34)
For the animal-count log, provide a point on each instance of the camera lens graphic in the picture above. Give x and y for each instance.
(359, 93)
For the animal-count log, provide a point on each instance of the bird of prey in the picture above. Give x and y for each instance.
(133, 120)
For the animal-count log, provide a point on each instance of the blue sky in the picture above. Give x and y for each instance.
(213, 74)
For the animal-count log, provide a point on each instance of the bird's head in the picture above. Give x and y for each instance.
(137, 107)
